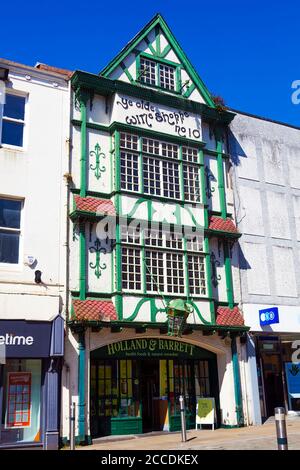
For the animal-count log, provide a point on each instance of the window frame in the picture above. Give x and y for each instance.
(167, 157)
(15, 266)
(20, 94)
(158, 63)
(162, 251)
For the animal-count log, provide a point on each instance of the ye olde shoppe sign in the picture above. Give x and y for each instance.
(147, 115)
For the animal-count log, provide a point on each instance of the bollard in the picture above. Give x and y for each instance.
(72, 426)
(281, 429)
(182, 416)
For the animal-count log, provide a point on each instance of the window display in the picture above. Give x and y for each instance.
(21, 402)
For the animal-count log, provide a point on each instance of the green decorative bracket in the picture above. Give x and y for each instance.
(97, 168)
(97, 266)
(209, 176)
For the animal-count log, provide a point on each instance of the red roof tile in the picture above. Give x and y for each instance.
(229, 317)
(94, 205)
(224, 225)
(50, 68)
(94, 310)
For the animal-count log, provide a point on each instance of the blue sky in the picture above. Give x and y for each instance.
(246, 51)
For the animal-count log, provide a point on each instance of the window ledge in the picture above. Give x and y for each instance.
(12, 148)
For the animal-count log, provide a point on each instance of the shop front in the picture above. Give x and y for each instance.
(278, 361)
(135, 385)
(31, 356)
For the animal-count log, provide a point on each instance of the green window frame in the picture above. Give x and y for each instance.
(160, 73)
(169, 263)
(160, 168)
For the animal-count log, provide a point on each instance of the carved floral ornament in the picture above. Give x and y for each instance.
(97, 168)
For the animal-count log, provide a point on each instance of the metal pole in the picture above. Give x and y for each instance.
(72, 426)
(282, 441)
(182, 416)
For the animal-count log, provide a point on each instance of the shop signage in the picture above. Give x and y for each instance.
(206, 411)
(25, 339)
(152, 348)
(147, 115)
(268, 316)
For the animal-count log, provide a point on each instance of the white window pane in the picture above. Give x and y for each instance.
(167, 77)
(148, 71)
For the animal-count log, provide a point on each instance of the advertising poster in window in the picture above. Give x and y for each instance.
(18, 413)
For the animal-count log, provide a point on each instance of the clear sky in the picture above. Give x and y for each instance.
(247, 51)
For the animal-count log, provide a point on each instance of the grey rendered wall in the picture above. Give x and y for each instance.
(266, 180)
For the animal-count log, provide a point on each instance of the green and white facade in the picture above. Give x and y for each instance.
(149, 145)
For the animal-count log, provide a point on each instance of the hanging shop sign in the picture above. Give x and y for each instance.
(268, 316)
(152, 348)
(151, 116)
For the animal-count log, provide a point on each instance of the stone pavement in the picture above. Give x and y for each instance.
(250, 438)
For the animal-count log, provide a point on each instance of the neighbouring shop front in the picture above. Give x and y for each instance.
(135, 385)
(30, 369)
(278, 372)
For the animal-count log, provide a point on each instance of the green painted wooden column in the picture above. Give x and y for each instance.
(81, 387)
(118, 270)
(237, 383)
(228, 274)
(206, 240)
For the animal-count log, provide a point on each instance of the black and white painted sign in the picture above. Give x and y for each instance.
(147, 115)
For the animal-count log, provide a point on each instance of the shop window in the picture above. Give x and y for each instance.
(114, 389)
(10, 230)
(13, 120)
(21, 401)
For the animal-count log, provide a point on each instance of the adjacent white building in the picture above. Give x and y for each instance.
(266, 178)
(34, 131)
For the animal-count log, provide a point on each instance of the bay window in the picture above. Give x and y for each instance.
(155, 167)
(156, 262)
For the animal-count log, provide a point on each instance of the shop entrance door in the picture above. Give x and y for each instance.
(272, 382)
(149, 370)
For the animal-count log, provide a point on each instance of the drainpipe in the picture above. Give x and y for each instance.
(68, 179)
(81, 386)
(237, 383)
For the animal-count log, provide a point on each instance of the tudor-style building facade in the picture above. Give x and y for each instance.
(149, 166)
